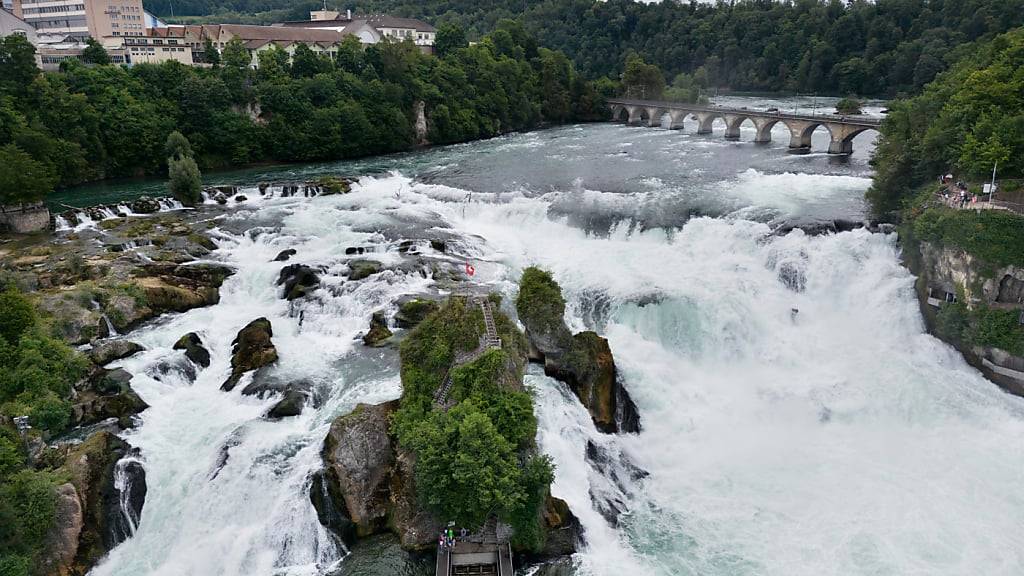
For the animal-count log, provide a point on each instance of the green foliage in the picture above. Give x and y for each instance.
(450, 37)
(16, 315)
(688, 88)
(22, 178)
(27, 505)
(540, 302)
(882, 47)
(17, 64)
(36, 371)
(185, 182)
(970, 118)
(177, 146)
(952, 321)
(210, 53)
(995, 237)
(998, 329)
(642, 80)
(468, 459)
(849, 106)
(94, 53)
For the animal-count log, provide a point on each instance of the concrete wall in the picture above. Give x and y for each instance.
(25, 221)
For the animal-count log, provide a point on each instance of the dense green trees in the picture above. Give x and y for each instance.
(964, 122)
(306, 108)
(879, 47)
(22, 179)
(36, 375)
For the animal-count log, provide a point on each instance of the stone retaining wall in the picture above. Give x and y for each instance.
(24, 219)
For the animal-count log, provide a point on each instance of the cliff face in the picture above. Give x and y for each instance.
(958, 292)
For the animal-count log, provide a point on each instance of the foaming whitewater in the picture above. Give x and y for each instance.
(796, 417)
(785, 432)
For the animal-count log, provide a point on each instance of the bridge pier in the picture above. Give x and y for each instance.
(764, 130)
(840, 147)
(705, 120)
(676, 119)
(732, 126)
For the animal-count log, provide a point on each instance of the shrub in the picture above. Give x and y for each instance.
(998, 329)
(540, 301)
(184, 180)
(16, 315)
(849, 105)
(996, 237)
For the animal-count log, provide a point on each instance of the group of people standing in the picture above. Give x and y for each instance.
(448, 538)
(956, 195)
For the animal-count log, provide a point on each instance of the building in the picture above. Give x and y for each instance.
(11, 25)
(256, 39)
(84, 18)
(387, 27)
(150, 49)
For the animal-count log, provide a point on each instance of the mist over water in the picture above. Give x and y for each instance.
(806, 426)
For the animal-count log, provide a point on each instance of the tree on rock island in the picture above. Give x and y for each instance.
(184, 179)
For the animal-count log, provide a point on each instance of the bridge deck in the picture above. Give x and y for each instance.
(831, 118)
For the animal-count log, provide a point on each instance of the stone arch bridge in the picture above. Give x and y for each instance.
(841, 129)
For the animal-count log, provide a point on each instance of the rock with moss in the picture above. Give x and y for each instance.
(252, 349)
(363, 269)
(179, 288)
(291, 404)
(583, 361)
(107, 395)
(192, 344)
(330, 185)
(379, 332)
(541, 308)
(412, 312)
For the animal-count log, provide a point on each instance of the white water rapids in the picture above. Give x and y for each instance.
(840, 439)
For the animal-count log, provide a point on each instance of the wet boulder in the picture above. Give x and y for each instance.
(60, 545)
(362, 269)
(412, 312)
(145, 205)
(179, 288)
(252, 349)
(194, 349)
(379, 332)
(284, 255)
(563, 529)
(359, 459)
(298, 280)
(106, 352)
(541, 308)
(290, 405)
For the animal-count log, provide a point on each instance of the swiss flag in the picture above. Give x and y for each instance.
(470, 270)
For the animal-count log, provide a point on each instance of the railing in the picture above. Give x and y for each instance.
(488, 341)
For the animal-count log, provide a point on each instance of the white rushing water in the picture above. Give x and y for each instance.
(838, 439)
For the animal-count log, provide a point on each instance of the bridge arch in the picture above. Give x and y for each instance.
(842, 136)
(620, 113)
(706, 121)
(764, 129)
(800, 132)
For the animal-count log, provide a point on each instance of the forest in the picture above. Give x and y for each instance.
(95, 121)
(878, 48)
(966, 122)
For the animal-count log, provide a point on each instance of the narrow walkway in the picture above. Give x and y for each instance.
(488, 341)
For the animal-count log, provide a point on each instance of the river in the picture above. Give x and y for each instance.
(806, 427)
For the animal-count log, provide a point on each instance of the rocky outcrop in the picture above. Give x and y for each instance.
(104, 395)
(178, 288)
(192, 344)
(421, 123)
(976, 286)
(252, 349)
(298, 280)
(359, 459)
(379, 332)
(98, 509)
(412, 312)
(106, 352)
(61, 541)
(367, 485)
(583, 361)
(564, 531)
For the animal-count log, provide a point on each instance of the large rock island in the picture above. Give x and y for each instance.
(458, 446)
